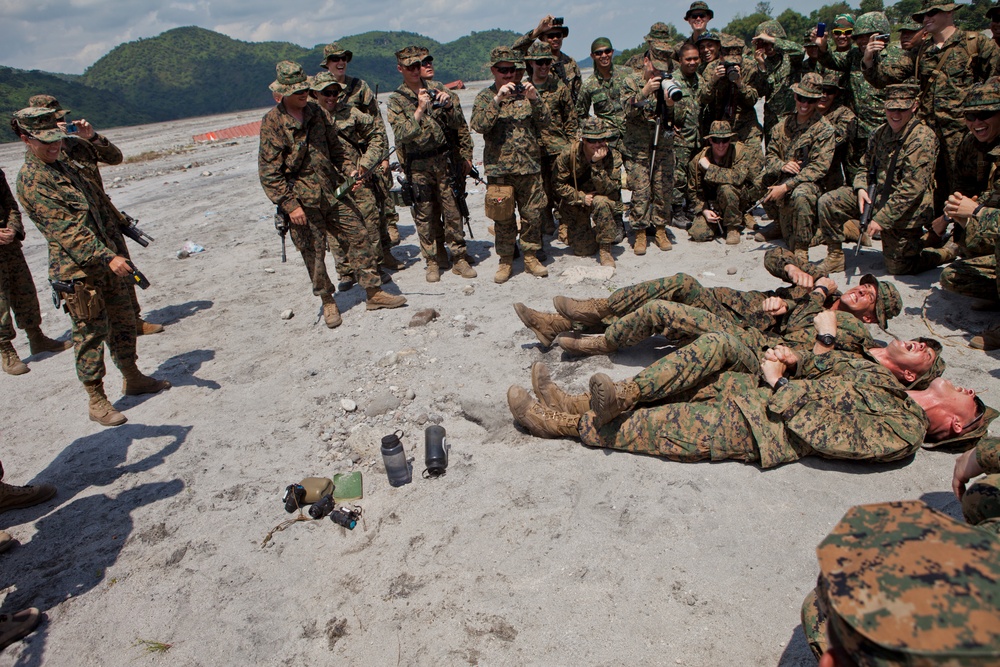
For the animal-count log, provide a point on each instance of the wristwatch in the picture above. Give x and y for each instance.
(975, 214)
(826, 339)
(780, 383)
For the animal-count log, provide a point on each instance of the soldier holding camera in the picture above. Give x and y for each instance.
(552, 31)
(778, 66)
(725, 93)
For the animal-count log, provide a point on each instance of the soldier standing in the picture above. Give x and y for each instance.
(426, 123)
(511, 117)
(300, 163)
(552, 31)
(724, 92)
(76, 221)
(778, 66)
(687, 131)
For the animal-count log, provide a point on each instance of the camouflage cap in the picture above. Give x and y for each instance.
(937, 367)
(699, 6)
(48, 102)
(411, 55)
(732, 43)
(771, 28)
(903, 584)
(983, 97)
(596, 128)
(928, 5)
(912, 26)
(600, 43)
(831, 79)
(290, 79)
(720, 129)
(505, 54)
(810, 86)
(972, 432)
(888, 303)
(539, 51)
(40, 123)
(661, 56)
(872, 23)
(324, 80)
(658, 32)
(901, 95)
(708, 37)
(334, 49)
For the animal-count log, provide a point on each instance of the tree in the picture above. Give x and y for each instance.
(744, 27)
(763, 7)
(796, 25)
(973, 16)
(902, 11)
(827, 13)
(871, 6)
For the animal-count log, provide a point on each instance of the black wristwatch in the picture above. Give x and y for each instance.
(780, 383)
(975, 214)
(826, 339)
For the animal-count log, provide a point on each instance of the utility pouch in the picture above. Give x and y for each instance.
(85, 303)
(499, 202)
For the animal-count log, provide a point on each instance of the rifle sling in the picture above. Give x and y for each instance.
(891, 171)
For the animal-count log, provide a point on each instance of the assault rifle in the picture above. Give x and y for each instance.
(866, 214)
(346, 186)
(802, 159)
(132, 231)
(136, 277)
(281, 224)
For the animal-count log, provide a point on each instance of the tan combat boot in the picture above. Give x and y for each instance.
(533, 266)
(539, 420)
(389, 261)
(101, 410)
(771, 232)
(833, 262)
(987, 340)
(604, 255)
(461, 267)
(144, 328)
(377, 298)
(503, 270)
(331, 314)
(551, 396)
(15, 497)
(733, 237)
(639, 245)
(608, 398)
(584, 311)
(39, 342)
(433, 272)
(544, 325)
(442, 256)
(581, 344)
(393, 234)
(12, 364)
(134, 383)
(661, 239)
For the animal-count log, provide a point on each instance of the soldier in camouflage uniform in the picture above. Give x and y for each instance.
(364, 142)
(697, 16)
(17, 290)
(981, 500)
(512, 123)
(556, 137)
(564, 67)
(357, 93)
(945, 66)
(425, 136)
(300, 164)
(584, 181)
(778, 65)
(77, 223)
(810, 60)
(903, 584)
(844, 165)
(730, 99)
(650, 177)
(687, 131)
(725, 181)
(799, 154)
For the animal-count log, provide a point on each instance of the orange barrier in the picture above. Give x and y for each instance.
(247, 130)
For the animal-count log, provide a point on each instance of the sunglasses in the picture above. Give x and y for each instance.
(840, 32)
(543, 63)
(806, 100)
(716, 140)
(595, 141)
(329, 92)
(411, 67)
(336, 59)
(553, 35)
(932, 12)
(427, 61)
(505, 70)
(698, 16)
(980, 115)
(604, 52)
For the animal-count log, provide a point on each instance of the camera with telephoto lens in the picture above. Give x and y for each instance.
(732, 71)
(670, 88)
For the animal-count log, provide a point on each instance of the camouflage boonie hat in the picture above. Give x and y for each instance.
(831, 79)
(410, 55)
(661, 55)
(810, 86)
(505, 54)
(290, 79)
(334, 50)
(48, 102)
(732, 43)
(324, 80)
(928, 5)
(901, 95)
(984, 97)
(40, 123)
(771, 28)
(595, 128)
(888, 302)
(913, 26)
(719, 129)
(872, 23)
(658, 32)
(699, 6)
(903, 584)
(708, 36)
(539, 51)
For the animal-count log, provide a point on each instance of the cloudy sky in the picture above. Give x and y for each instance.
(69, 35)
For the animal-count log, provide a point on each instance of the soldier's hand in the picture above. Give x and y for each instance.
(444, 99)
(588, 199)
(710, 215)
(297, 217)
(720, 70)
(506, 91)
(799, 277)
(939, 225)
(966, 467)
(828, 283)
(85, 130)
(530, 92)
(650, 87)
(874, 46)
(120, 266)
(704, 163)
(776, 192)
(863, 200)
(772, 370)
(826, 322)
(544, 25)
(791, 167)
(6, 236)
(384, 167)
(758, 55)
(600, 153)
(774, 306)
(874, 228)
(424, 100)
(960, 206)
(785, 355)
(466, 167)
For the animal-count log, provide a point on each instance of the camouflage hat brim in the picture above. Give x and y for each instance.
(49, 136)
(719, 135)
(409, 60)
(947, 7)
(288, 89)
(880, 295)
(343, 52)
(808, 94)
(711, 14)
(967, 439)
(607, 135)
(660, 61)
(899, 104)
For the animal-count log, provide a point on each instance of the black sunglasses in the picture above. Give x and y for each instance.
(505, 70)
(716, 140)
(336, 59)
(412, 66)
(543, 63)
(807, 100)
(980, 115)
(604, 52)
(932, 12)
(329, 92)
(699, 16)
(595, 141)
(427, 61)
(553, 35)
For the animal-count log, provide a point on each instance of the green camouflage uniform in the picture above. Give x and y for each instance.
(775, 83)
(556, 137)
(981, 501)
(729, 188)
(903, 584)
(687, 134)
(814, 144)
(80, 226)
(301, 164)
(512, 156)
(867, 101)
(720, 99)
(564, 67)
(977, 277)
(605, 95)
(651, 192)
(850, 408)
(17, 289)
(573, 177)
(945, 73)
(844, 165)
(424, 147)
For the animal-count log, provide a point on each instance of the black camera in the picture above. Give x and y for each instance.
(435, 104)
(321, 507)
(294, 498)
(732, 71)
(884, 37)
(519, 89)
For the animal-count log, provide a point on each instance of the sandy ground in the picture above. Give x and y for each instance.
(527, 552)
